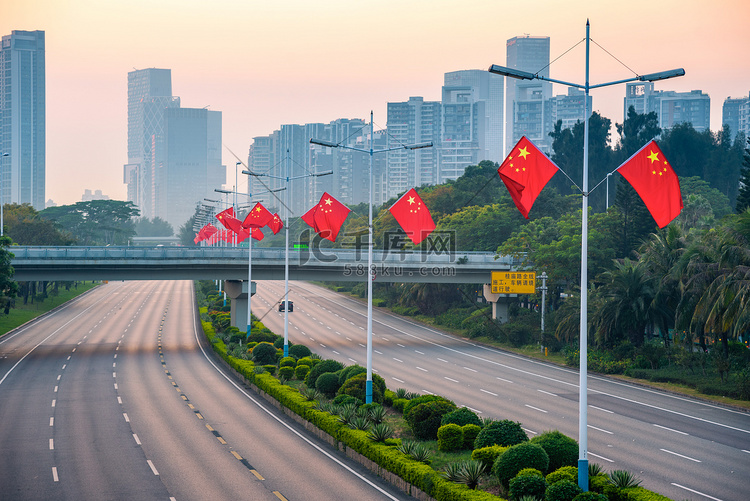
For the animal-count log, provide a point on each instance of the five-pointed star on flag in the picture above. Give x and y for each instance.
(654, 156)
(523, 152)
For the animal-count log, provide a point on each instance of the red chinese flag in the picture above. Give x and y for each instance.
(197, 238)
(413, 216)
(329, 216)
(309, 217)
(209, 230)
(655, 181)
(229, 221)
(525, 173)
(276, 224)
(258, 217)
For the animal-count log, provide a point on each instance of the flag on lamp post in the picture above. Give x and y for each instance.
(413, 216)
(327, 217)
(525, 172)
(226, 217)
(258, 217)
(276, 224)
(655, 181)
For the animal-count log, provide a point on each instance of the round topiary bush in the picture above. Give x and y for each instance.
(488, 455)
(461, 417)
(356, 387)
(346, 399)
(288, 362)
(286, 372)
(564, 473)
(590, 496)
(305, 361)
(299, 351)
(324, 366)
(301, 371)
(264, 354)
(561, 449)
(470, 434)
(503, 432)
(328, 384)
(527, 485)
(279, 342)
(262, 336)
(421, 400)
(450, 437)
(349, 371)
(518, 457)
(424, 419)
(530, 471)
(564, 490)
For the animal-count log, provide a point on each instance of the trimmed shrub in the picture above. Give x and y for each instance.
(421, 400)
(564, 490)
(518, 457)
(327, 384)
(346, 400)
(527, 485)
(450, 437)
(270, 368)
(279, 343)
(356, 387)
(503, 432)
(262, 336)
(264, 354)
(488, 455)
(398, 404)
(461, 417)
(324, 366)
(561, 449)
(598, 482)
(301, 371)
(530, 471)
(564, 473)
(388, 398)
(305, 361)
(351, 370)
(470, 434)
(299, 351)
(590, 496)
(424, 419)
(288, 362)
(286, 372)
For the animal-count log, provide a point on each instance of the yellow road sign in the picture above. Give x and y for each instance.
(513, 282)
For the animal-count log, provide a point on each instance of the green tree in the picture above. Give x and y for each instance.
(156, 227)
(635, 131)
(718, 201)
(96, 222)
(8, 286)
(26, 227)
(482, 228)
(743, 197)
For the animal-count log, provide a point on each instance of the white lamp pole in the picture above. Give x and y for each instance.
(370, 243)
(583, 479)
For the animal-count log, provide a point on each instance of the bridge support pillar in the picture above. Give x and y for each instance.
(499, 302)
(237, 291)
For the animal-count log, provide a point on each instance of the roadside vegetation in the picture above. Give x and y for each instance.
(447, 452)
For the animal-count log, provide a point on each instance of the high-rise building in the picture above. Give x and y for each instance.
(736, 114)
(174, 154)
(524, 99)
(411, 122)
(568, 109)
(471, 122)
(671, 107)
(22, 118)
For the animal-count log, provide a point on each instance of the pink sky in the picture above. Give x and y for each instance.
(263, 64)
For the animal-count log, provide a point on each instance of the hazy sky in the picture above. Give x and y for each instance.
(274, 62)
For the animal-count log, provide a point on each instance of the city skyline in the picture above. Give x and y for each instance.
(264, 64)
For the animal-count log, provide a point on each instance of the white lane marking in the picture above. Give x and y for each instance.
(470, 369)
(536, 408)
(54, 402)
(378, 352)
(115, 386)
(153, 468)
(363, 346)
(743, 450)
(351, 359)
(401, 345)
(396, 379)
(449, 379)
(52, 444)
(440, 359)
(600, 457)
(321, 344)
(336, 352)
(69, 356)
(74, 350)
(417, 351)
(423, 370)
(64, 366)
(488, 392)
(385, 339)
(600, 409)
(546, 393)
(52, 421)
(125, 415)
(137, 440)
(670, 429)
(55, 478)
(680, 455)
(505, 380)
(114, 374)
(114, 364)
(59, 376)
(119, 400)
(695, 492)
(115, 355)
(599, 429)
(397, 360)
(529, 431)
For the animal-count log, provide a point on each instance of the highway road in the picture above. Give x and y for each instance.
(680, 447)
(114, 396)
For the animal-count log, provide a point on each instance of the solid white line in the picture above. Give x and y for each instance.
(599, 429)
(151, 465)
(670, 429)
(536, 408)
(488, 392)
(680, 455)
(600, 409)
(695, 492)
(600, 457)
(55, 478)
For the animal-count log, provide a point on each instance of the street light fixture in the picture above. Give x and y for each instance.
(370, 267)
(583, 479)
(287, 178)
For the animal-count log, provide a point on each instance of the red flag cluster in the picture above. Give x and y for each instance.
(238, 231)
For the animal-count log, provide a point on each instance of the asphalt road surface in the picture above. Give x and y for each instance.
(114, 396)
(680, 447)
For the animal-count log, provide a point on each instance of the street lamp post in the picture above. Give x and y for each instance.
(583, 479)
(370, 267)
(2, 197)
